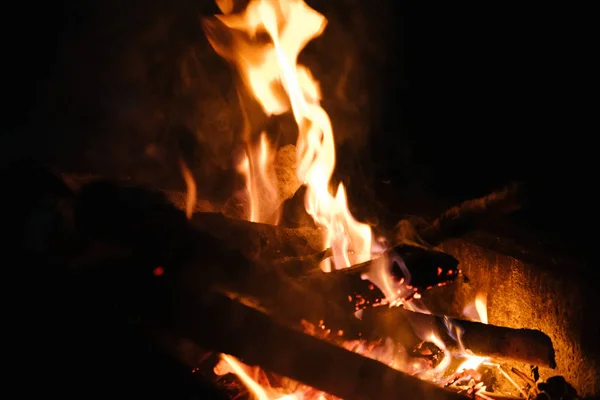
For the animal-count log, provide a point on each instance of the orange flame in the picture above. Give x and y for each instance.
(192, 193)
(268, 69)
(477, 312)
(230, 364)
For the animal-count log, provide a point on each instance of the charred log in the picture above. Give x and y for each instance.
(428, 268)
(527, 345)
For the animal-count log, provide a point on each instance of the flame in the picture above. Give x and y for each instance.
(256, 167)
(478, 310)
(481, 307)
(272, 75)
(229, 364)
(192, 193)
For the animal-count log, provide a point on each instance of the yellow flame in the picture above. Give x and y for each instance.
(481, 307)
(472, 362)
(192, 193)
(258, 392)
(236, 367)
(477, 311)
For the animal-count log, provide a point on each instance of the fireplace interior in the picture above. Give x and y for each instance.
(144, 261)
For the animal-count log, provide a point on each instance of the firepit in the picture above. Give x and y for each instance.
(273, 284)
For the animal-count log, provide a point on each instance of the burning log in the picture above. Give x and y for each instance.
(254, 240)
(527, 345)
(233, 328)
(155, 232)
(159, 234)
(461, 219)
(260, 240)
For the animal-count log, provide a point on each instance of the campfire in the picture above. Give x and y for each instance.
(280, 292)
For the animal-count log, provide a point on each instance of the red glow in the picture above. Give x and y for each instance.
(158, 271)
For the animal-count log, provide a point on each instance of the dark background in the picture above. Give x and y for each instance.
(452, 100)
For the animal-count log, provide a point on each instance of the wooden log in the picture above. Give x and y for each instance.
(257, 240)
(471, 214)
(417, 268)
(233, 328)
(254, 240)
(147, 224)
(527, 345)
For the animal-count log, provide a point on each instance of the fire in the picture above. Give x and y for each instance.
(264, 42)
(256, 167)
(481, 307)
(270, 72)
(230, 364)
(250, 377)
(191, 197)
(478, 310)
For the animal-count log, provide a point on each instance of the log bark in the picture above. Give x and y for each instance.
(422, 269)
(527, 345)
(257, 240)
(233, 328)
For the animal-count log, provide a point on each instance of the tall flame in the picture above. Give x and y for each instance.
(256, 167)
(270, 70)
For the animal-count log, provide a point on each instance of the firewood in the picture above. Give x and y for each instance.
(254, 240)
(145, 222)
(217, 323)
(498, 342)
